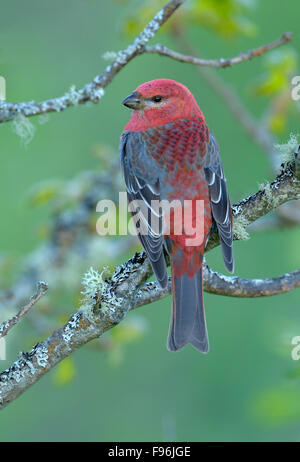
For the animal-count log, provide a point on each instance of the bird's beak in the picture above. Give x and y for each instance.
(134, 101)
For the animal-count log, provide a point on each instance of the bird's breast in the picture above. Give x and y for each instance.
(179, 149)
(179, 145)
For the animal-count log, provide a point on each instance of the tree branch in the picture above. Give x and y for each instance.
(113, 297)
(219, 284)
(106, 309)
(6, 326)
(220, 62)
(234, 286)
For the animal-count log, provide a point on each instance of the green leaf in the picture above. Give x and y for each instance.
(277, 406)
(43, 192)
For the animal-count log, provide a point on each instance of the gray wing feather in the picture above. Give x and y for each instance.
(142, 184)
(220, 203)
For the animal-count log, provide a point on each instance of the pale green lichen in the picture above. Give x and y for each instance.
(287, 150)
(23, 128)
(24, 366)
(109, 55)
(93, 282)
(73, 95)
(43, 118)
(27, 362)
(71, 327)
(112, 306)
(42, 356)
(97, 93)
(262, 186)
(269, 196)
(239, 228)
(95, 286)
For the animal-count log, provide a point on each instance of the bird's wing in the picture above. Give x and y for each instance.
(143, 185)
(220, 203)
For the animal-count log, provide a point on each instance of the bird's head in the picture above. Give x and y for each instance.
(160, 102)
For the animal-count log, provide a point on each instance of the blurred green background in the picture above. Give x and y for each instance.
(248, 387)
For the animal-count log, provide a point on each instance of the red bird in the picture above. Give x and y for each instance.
(168, 153)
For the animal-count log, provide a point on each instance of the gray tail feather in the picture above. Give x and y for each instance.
(188, 319)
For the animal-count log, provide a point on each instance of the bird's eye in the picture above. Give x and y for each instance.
(156, 99)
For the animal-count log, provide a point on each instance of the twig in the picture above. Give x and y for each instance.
(220, 62)
(231, 286)
(234, 286)
(6, 326)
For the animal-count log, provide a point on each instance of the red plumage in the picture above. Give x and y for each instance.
(167, 153)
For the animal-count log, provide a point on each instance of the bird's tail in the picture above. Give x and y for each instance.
(188, 319)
